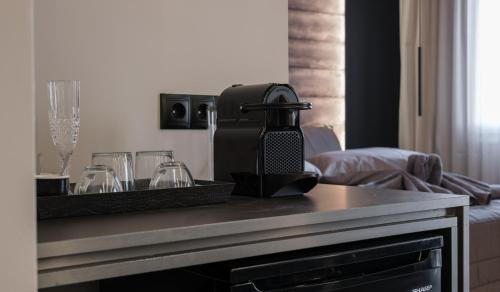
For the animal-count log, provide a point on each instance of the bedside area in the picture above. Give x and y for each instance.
(83, 251)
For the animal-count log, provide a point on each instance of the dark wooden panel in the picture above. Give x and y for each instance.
(315, 26)
(326, 111)
(317, 83)
(316, 55)
(323, 6)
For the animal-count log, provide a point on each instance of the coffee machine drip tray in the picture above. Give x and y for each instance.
(274, 185)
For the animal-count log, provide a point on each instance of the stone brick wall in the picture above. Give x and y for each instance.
(316, 34)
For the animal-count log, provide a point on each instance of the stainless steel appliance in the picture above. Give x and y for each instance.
(410, 265)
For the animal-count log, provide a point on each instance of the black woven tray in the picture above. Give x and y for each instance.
(204, 193)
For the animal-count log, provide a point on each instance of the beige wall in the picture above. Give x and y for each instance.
(126, 52)
(17, 208)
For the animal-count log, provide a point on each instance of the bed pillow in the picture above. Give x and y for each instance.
(311, 167)
(340, 166)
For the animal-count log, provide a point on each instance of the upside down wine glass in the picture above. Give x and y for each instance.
(64, 118)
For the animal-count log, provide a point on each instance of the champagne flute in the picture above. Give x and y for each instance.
(64, 118)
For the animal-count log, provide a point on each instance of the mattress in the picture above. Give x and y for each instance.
(485, 247)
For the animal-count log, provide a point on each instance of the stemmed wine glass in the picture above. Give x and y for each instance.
(64, 118)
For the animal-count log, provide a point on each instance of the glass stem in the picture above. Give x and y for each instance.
(212, 125)
(65, 161)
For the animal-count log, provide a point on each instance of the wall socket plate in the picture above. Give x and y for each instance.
(175, 111)
(184, 111)
(199, 106)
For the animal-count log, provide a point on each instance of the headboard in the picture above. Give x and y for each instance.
(318, 140)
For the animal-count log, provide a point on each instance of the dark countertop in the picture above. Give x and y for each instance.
(82, 249)
(334, 202)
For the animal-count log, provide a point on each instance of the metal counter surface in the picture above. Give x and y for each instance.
(80, 249)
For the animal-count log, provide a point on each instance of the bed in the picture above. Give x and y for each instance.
(484, 220)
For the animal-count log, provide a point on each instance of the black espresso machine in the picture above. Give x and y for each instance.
(259, 143)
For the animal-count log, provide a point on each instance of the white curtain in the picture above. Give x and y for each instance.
(486, 93)
(460, 118)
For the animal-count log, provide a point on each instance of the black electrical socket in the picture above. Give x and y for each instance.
(175, 111)
(199, 106)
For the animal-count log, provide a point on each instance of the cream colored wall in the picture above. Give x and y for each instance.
(17, 207)
(126, 52)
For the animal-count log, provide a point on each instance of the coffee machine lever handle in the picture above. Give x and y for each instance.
(248, 107)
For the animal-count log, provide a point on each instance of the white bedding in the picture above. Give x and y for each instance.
(340, 166)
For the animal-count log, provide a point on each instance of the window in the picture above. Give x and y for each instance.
(487, 97)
